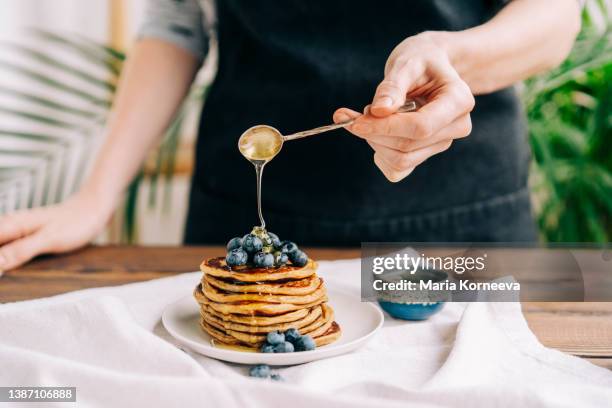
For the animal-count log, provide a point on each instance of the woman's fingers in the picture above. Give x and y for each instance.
(461, 127)
(57, 228)
(396, 165)
(16, 239)
(391, 93)
(344, 114)
(22, 250)
(397, 157)
(390, 173)
(447, 104)
(20, 224)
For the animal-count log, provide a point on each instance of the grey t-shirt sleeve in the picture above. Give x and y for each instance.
(180, 22)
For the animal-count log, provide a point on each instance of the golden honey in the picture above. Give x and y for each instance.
(260, 143)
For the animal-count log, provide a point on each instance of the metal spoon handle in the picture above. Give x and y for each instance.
(409, 106)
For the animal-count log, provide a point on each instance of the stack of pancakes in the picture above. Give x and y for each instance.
(240, 305)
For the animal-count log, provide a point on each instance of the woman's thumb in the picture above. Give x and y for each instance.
(390, 95)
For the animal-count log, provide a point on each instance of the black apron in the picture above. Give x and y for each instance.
(291, 64)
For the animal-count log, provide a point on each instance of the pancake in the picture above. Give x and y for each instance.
(213, 319)
(317, 327)
(218, 334)
(294, 287)
(253, 308)
(258, 320)
(258, 340)
(262, 309)
(332, 334)
(220, 296)
(239, 306)
(218, 268)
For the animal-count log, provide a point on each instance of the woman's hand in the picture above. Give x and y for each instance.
(432, 67)
(58, 228)
(420, 69)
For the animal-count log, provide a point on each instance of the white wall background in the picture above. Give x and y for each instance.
(88, 17)
(84, 16)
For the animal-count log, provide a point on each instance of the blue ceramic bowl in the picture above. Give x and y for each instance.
(411, 311)
(414, 310)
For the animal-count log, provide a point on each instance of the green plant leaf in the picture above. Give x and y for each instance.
(52, 61)
(130, 207)
(49, 103)
(38, 118)
(54, 83)
(33, 136)
(88, 49)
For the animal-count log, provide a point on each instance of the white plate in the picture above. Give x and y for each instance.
(358, 320)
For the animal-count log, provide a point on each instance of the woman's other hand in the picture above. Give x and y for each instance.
(418, 68)
(58, 228)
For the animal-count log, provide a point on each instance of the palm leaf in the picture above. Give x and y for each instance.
(52, 61)
(32, 136)
(46, 79)
(48, 103)
(88, 49)
(38, 118)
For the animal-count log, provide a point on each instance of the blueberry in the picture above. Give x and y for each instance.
(263, 260)
(275, 337)
(251, 243)
(236, 257)
(285, 347)
(280, 258)
(288, 247)
(277, 377)
(275, 240)
(267, 348)
(298, 258)
(292, 335)
(305, 343)
(234, 243)
(260, 371)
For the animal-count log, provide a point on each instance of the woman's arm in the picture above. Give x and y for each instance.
(444, 70)
(153, 83)
(526, 37)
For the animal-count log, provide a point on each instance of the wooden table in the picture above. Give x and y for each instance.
(582, 329)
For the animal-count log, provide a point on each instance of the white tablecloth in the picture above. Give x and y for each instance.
(110, 344)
